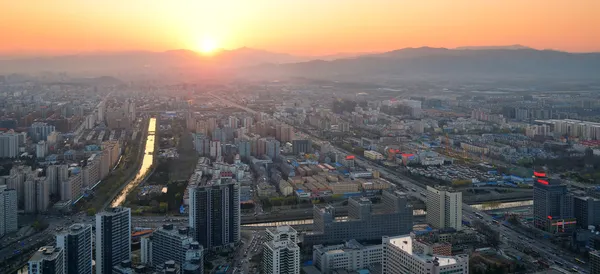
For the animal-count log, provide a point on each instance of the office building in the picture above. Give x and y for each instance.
(113, 238)
(302, 146)
(47, 260)
(362, 224)
(8, 211)
(399, 256)
(595, 262)
(552, 205)
(76, 242)
(281, 256)
(350, 256)
(586, 211)
(214, 214)
(146, 250)
(9, 145)
(172, 243)
(444, 208)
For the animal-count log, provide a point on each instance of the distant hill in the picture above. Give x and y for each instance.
(446, 64)
(425, 63)
(144, 60)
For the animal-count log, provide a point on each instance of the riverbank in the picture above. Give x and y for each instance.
(145, 167)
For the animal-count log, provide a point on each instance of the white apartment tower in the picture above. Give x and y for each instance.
(281, 257)
(113, 238)
(281, 254)
(444, 208)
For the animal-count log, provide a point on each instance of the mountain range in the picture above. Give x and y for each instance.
(425, 62)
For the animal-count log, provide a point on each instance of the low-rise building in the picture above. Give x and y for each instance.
(350, 256)
(400, 256)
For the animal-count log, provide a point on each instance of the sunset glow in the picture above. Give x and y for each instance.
(299, 27)
(208, 45)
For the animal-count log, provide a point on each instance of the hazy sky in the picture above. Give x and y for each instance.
(296, 26)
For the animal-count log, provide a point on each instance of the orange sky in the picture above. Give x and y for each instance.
(312, 27)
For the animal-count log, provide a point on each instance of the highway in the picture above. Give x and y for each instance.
(546, 250)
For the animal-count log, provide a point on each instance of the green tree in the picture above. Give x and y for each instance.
(163, 207)
(91, 211)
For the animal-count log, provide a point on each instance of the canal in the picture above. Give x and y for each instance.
(144, 168)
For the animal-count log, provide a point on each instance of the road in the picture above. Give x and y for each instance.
(546, 250)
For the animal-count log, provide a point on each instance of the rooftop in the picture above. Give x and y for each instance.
(46, 253)
(405, 244)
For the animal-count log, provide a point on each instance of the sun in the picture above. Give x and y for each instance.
(208, 45)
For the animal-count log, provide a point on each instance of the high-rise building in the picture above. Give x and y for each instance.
(362, 224)
(272, 148)
(41, 149)
(399, 256)
(215, 149)
(595, 262)
(281, 253)
(284, 232)
(350, 256)
(202, 144)
(29, 195)
(47, 260)
(302, 146)
(8, 210)
(113, 238)
(233, 122)
(244, 148)
(247, 122)
(552, 205)
(52, 179)
(214, 214)
(146, 250)
(172, 243)
(586, 211)
(91, 171)
(42, 194)
(76, 242)
(9, 145)
(72, 188)
(444, 208)
(39, 131)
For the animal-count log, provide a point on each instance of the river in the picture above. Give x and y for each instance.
(144, 168)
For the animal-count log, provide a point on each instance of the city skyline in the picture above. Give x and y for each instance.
(70, 26)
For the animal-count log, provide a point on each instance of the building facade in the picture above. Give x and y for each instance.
(281, 257)
(214, 214)
(113, 238)
(172, 243)
(552, 205)
(350, 256)
(47, 260)
(400, 257)
(444, 208)
(76, 242)
(586, 211)
(396, 218)
(8, 211)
